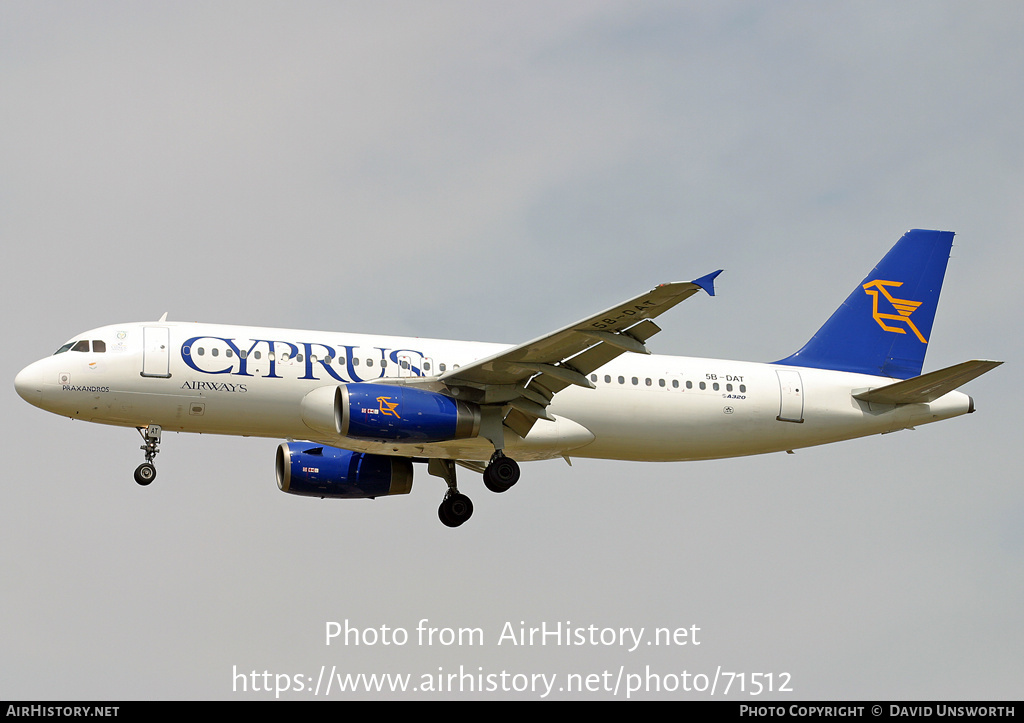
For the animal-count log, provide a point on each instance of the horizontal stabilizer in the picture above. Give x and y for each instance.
(928, 387)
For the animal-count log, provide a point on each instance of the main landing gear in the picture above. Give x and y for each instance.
(500, 474)
(455, 508)
(146, 472)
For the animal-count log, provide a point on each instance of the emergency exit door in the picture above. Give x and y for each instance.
(791, 396)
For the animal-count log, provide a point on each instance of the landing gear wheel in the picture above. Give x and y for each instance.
(455, 509)
(145, 473)
(501, 473)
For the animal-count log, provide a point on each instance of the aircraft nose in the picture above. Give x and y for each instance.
(29, 384)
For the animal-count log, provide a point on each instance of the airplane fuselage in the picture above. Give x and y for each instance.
(217, 379)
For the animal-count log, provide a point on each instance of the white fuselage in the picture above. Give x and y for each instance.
(250, 381)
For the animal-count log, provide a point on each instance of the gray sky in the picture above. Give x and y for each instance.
(494, 171)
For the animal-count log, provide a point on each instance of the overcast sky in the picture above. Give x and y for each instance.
(477, 170)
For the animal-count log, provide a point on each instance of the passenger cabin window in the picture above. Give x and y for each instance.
(670, 383)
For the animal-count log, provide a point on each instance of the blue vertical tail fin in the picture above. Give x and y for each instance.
(884, 326)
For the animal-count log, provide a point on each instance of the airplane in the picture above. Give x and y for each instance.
(358, 410)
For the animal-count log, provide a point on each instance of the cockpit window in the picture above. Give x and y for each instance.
(98, 346)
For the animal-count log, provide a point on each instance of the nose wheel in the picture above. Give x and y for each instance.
(146, 472)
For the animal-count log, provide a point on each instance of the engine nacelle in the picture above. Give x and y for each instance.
(319, 471)
(407, 414)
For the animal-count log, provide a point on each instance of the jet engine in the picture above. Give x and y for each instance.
(389, 412)
(320, 471)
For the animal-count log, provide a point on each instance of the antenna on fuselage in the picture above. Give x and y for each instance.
(164, 317)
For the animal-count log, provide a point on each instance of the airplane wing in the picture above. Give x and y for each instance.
(527, 376)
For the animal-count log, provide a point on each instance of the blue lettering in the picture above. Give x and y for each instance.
(243, 356)
(189, 358)
(317, 358)
(322, 360)
(272, 355)
(350, 366)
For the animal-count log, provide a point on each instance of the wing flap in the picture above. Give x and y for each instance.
(520, 422)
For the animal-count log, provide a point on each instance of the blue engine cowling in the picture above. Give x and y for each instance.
(320, 471)
(393, 412)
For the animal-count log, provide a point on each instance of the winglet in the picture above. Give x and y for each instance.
(708, 282)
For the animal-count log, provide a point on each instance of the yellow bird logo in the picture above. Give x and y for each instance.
(904, 308)
(388, 407)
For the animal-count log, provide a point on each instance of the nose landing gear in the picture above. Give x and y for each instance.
(146, 472)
